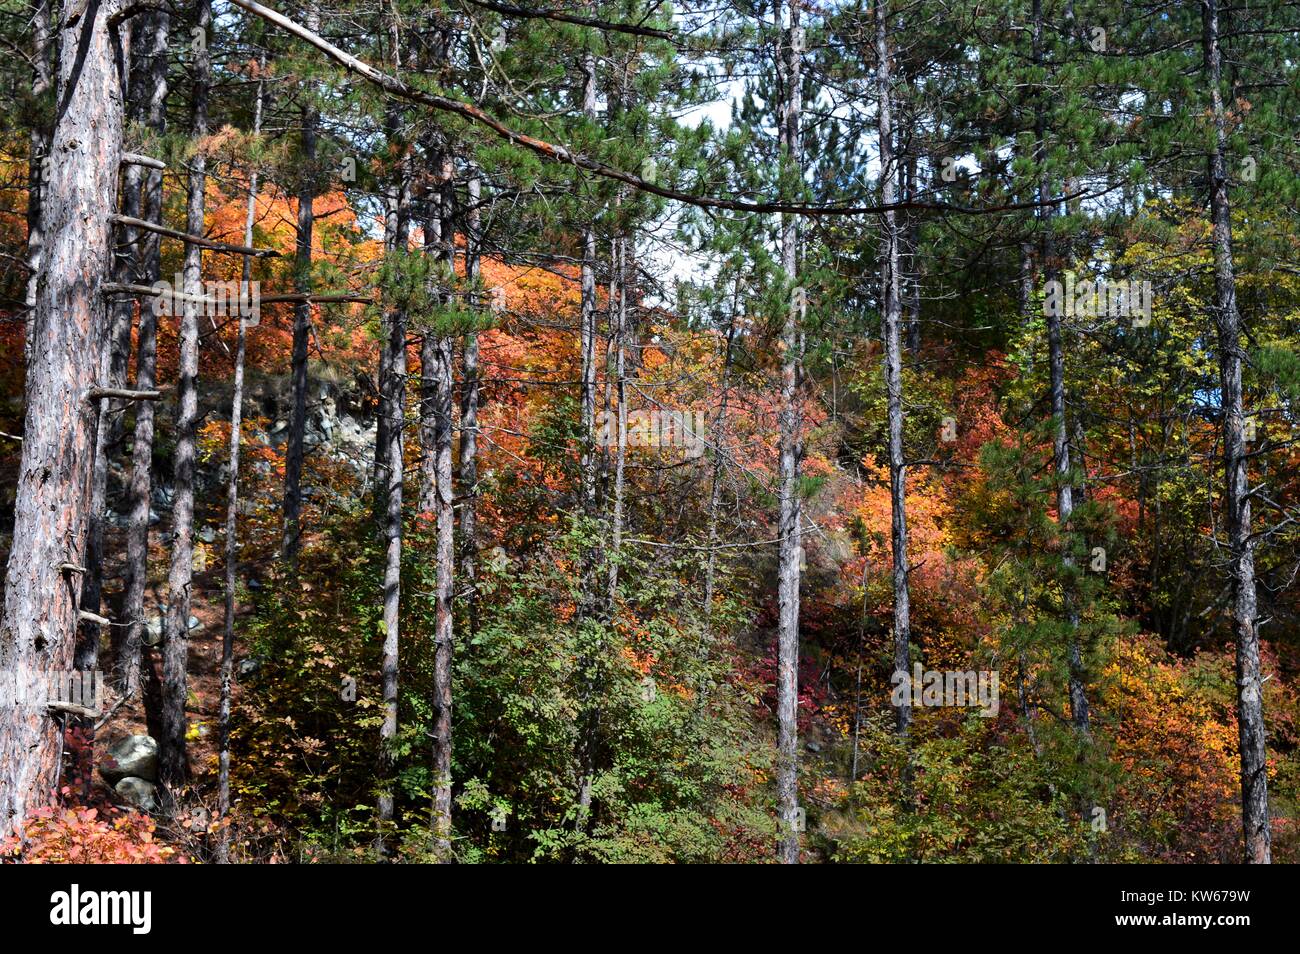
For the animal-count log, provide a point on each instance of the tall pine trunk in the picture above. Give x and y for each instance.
(173, 764)
(232, 511)
(469, 407)
(38, 151)
(42, 585)
(436, 359)
(790, 552)
(293, 453)
(891, 331)
(156, 27)
(393, 407)
(1256, 827)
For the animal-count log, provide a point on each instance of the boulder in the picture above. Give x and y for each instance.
(134, 756)
(137, 793)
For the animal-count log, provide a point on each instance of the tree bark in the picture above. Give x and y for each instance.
(393, 403)
(618, 292)
(1256, 828)
(443, 628)
(112, 374)
(469, 406)
(436, 359)
(232, 513)
(68, 336)
(587, 322)
(293, 453)
(156, 29)
(790, 554)
(1079, 714)
(890, 327)
(38, 151)
(173, 764)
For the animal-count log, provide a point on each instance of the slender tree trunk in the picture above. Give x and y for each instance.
(1060, 432)
(892, 319)
(440, 245)
(156, 28)
(393, 404)
(437, 367)
(42, 588)
(293, 452)
(232, 511)
(395, 223)
(588, 464)
(587, 319)
(443, 629)
(1256, 827)
(38, 150)
(469, 405)
(790, 554)
(618, 331)
(173, 765)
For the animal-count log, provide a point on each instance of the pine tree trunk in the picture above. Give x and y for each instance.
(437, 497)
(393, 406)
(1060, 434)
(173, 764)
(469, 406)
(440, 245)
(587, 327)
(790, 553)
(68, 338)
(618, 330)
(890, 327)
(44, 38)
(293, 452)
(156, 29)
(112, 374)
(232, 513)
(443, 630)
(1256, 827)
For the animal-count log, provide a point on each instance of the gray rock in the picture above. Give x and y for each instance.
(207, 534)
(120, 521)
(134, 756)
(153, 627)
(249, 667)
(137, 793)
